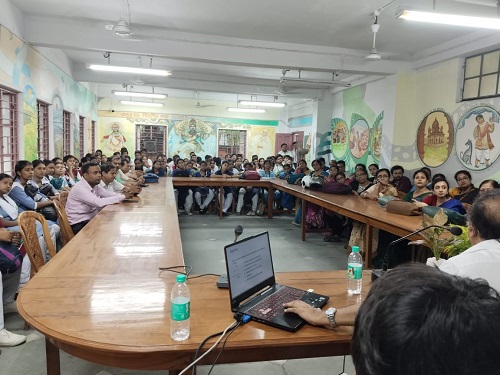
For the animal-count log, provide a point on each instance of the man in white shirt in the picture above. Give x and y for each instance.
(284, 151)
(482, 260)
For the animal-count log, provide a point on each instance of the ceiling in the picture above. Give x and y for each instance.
(236, 47)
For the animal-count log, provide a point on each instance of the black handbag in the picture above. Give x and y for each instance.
(48, 212)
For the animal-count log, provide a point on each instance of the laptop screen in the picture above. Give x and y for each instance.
(249, 266)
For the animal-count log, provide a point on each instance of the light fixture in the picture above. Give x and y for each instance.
(143, 104)
(262, 104)
(246, 110)
(122, 28)
(129, 69)
(136, 94)
(450, 19)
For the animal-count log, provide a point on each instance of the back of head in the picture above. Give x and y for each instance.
(419, 320)
(484, 215)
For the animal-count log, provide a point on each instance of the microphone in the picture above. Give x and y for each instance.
(237, 232)
(456, 231)
(222, 282)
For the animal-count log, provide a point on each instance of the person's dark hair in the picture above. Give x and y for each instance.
(362, 166)
(217, 161)
(339, 173)
(440, 179)
(463, 171)
(322, 160)
(247, 163)
(373, 165)
(85, 160)
(47, 162)
(421, 171)
(383, 170)
(123, 149)
(438, 175)
(396, 168)
(106, 167)
(429, 172)
(316, 161)
(36, 163)
(419, 320)
(116, 157)
(85, 167)
(341, 162)
(3, 176)
(484, 215)
(67, 157)
(57, 160)
(284, 144)
(20, 165)
(494, 183)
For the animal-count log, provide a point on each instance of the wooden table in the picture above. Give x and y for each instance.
(103, 299)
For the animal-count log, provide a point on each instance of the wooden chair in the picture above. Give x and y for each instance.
(66, 231)
(27, 224)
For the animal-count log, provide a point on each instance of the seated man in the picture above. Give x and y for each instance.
(203, 191)
(87, 198)
(108, 179)
(399, 180)
(418, 320)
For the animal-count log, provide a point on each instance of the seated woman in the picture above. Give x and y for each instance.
(24, 202)
(441, 198)
(465, 192)
(247, 194)
(41, 180)
(203, 191)
(420, 181)
(225, 172)
(373, 168)
(267, 173)
(380, 189)
(302, 167)
(361, 183)
(488, 185)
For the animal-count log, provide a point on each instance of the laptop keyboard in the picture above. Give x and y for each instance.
(271, 306)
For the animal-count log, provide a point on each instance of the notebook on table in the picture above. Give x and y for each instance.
(253, 289)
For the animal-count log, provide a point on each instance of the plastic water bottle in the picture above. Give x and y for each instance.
(180, 309)
(354, 271)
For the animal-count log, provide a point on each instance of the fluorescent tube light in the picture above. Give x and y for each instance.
(136, 94)
(450, 19)
(262, 104)
(247, 110)
(129, 69)
(143, 104)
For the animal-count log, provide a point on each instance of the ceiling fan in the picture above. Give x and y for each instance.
(198, 105)
(374, 55)
(123, 27)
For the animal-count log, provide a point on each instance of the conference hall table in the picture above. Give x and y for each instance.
(103, 299)
(352, 206)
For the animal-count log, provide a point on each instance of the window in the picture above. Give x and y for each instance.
(43, 130)
(66, 133)
(92, 136)
(481, 76)
(152, 138)
(232, 142)
(8, 130)
(81, 130)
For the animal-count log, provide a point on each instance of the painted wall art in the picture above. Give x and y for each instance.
(476, 142)
(192, 135)
(435, 137)
(340, 133)
(359, 136)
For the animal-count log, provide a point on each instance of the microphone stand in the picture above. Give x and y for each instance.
(377, 273)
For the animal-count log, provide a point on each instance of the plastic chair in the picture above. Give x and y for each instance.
(27, 224)
(66, 231)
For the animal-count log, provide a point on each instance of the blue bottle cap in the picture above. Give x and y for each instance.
(181, 278)
(355, 249)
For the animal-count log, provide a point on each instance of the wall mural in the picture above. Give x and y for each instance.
(24, 69)
(114, 140)
(476, 147)
(192, 135)
(359, 136)
(261, 141)
(339, 138)
(376, 137)
(435, 137)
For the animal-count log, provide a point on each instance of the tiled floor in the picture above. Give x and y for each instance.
(203, 238)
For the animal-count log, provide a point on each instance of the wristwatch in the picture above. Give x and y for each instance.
(330, 313)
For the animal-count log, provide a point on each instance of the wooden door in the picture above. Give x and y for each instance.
(280, 139)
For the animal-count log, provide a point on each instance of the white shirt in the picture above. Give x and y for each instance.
(479, 261)
(114, 186)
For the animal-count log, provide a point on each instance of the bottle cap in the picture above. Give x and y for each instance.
(355, 249)
(181, 278)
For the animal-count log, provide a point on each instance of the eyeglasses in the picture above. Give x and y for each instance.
(462, 179)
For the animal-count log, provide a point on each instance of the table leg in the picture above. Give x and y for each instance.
(52, 357)
(221, 200)
(303, 219)
(270, 202)
(368, 246)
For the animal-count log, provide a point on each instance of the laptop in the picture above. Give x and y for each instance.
(253, 289)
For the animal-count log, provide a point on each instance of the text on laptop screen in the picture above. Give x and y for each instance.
(249, 263)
